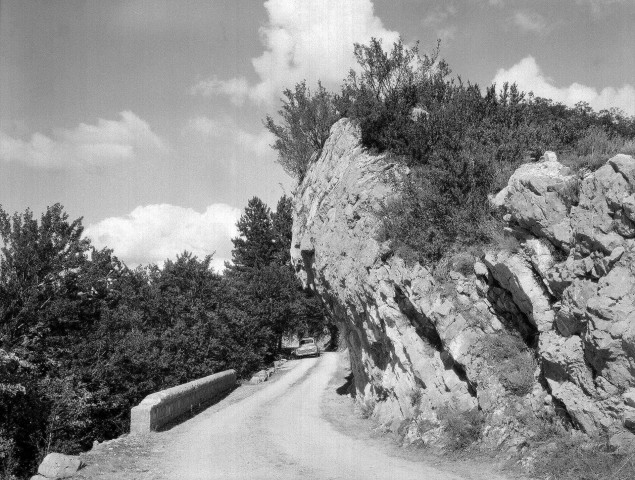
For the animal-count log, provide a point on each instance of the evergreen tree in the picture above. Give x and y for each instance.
(282, 220)
(254, 248)
(263, 279)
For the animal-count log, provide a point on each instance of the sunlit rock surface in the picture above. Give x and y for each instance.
(420, 346)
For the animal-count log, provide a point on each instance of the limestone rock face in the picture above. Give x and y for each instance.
(419, 345)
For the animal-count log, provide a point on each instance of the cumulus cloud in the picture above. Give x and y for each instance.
(529, 22)
(303, 40)
(529, 77)
(106, 143)
(226, 128)
(154, 233)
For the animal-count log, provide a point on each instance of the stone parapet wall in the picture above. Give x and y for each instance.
(159, 408)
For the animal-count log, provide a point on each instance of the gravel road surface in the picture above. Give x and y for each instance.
(279, 433)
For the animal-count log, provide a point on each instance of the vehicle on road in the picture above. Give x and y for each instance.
(308, 348)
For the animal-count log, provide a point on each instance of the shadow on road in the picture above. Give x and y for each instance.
(347, 388)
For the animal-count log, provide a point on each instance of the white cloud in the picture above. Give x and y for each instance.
(303, 40)
(438, 19)
(106, 143)
(154, 233)
(237, 89)
(529, 22)
(226, 128)
(529, 77)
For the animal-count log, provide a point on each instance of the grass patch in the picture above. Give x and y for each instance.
(575, 458)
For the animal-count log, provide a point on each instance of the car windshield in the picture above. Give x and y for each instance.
(306, 341)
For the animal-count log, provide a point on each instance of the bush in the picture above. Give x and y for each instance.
(463, 263)
(513, 363)
(594, 148)
(462, 428)
(306, 121)
(628, 148)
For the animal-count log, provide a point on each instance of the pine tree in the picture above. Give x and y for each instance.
(255, 247)
(282, 221)
(263, 279)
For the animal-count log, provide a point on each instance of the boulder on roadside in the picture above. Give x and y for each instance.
(261, 376)
(278, 363)
(58, 465)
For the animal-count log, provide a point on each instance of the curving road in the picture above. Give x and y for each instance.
(278, 433)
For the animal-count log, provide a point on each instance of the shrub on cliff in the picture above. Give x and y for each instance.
(306, 120)
(461, 143)
(511, 361)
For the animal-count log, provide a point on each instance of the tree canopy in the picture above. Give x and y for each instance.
(83, 338)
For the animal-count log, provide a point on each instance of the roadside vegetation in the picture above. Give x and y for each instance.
(571, 457)
(461, 142)
(83, 338)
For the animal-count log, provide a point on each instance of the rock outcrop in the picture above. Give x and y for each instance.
(546, 330)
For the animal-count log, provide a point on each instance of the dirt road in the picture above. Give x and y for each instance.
(296, 426)
(278, 433)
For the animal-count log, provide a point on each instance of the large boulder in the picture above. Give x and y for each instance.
(58, 465)
(600, 223)
(538, 198)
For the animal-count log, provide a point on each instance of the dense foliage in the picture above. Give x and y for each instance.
(461, 143)
(83, 338)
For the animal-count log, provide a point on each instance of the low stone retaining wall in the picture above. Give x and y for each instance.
(159, 408)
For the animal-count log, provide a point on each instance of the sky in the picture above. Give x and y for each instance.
(144, 117)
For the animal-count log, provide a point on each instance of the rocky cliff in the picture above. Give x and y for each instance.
(542, 329)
